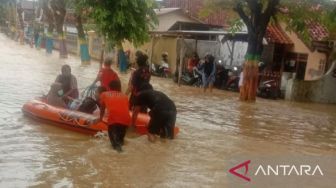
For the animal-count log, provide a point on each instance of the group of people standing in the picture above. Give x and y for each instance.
(206, 68)
(116, 105)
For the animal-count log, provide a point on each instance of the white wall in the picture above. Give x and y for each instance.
(239, 52)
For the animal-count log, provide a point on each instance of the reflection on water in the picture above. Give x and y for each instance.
(214, 128)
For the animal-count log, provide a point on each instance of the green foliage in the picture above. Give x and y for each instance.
(236, 25)
(304, 12)
(329, 20)
(121, 20)
(5, 11)
(3, 14)
(297, 14)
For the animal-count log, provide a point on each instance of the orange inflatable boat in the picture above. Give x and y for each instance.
(76, 121)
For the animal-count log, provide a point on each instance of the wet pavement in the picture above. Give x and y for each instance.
(214, 129)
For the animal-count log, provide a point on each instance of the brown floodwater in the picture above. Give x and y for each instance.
(214, 128)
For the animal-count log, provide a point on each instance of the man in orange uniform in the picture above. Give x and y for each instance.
(106, 74)
(118, 114)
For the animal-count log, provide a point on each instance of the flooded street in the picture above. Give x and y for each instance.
(214, 129)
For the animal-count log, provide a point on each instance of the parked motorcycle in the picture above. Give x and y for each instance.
(161, 71)
(222, 76)
(268, 90)
(232, 83)
(192, 79)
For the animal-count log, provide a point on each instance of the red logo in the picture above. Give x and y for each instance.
(243, 176)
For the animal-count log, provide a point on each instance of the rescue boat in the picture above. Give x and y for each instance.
(74, 120)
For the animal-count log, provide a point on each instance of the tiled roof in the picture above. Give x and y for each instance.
(317, 32)
(275, 34)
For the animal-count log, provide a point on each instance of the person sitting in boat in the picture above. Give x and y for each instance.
(55, 96)
(106, 74)
(118, 118)
(140, 76)
(162, 114)
(69, 84)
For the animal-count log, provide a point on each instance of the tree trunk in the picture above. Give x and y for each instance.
(84, 49)
(47, 13)
(12, 20)
(21, 23)
(59, 10)
(250, 69)
(256, 23)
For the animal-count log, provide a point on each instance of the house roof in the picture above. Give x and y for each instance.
(317, 31)
(275, 34)
(180, 25)
(239, 36)
(162, 11)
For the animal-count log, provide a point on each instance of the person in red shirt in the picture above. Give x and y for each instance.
(192, 62)
(116, 103)
(106, 74)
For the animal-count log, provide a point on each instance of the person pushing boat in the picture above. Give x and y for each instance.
(162, 112)
(118, 118)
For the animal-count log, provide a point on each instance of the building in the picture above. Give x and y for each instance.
(28, 10)
(193, 9)
(170, 20)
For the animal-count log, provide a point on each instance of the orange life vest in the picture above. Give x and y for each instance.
(117, 105)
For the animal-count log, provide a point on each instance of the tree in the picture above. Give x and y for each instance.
(80, 13)
(59, 12)
(19, 11)
(256, 15)
(4, 11)
(8, 15)
(122, 20)
(48, 15)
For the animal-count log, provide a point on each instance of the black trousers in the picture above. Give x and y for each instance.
(117, 134)
(162, 123)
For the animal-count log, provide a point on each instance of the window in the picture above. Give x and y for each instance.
(296, 63)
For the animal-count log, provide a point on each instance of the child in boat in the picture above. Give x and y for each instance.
(55, 95)
(106, 74)
(118, 118)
